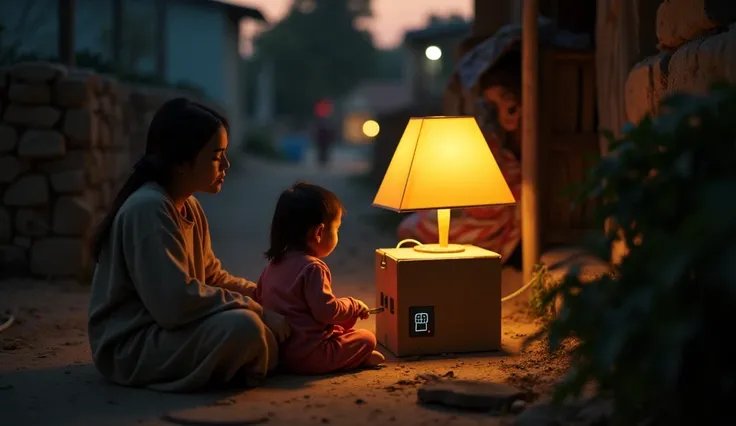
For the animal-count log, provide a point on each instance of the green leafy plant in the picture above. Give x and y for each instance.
(541, 285)
(655, 335)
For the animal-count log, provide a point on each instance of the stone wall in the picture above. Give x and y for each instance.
(63, 153)
(68, 138)
(697, 42)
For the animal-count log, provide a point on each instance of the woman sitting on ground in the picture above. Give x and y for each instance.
(163, 313)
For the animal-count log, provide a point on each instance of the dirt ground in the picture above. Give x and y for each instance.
(46, 376)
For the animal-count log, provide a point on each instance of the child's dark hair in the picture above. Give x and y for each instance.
(300, 208)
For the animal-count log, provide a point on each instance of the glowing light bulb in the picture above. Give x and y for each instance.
(371, 128)
(433, 53)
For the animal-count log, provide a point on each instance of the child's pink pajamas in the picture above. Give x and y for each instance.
(322, 339)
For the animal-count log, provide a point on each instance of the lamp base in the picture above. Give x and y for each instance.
(436, 248)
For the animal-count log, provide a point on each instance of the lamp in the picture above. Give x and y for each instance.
(442, 163)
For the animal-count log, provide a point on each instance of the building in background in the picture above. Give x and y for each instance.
(431, 57)
(189, 42)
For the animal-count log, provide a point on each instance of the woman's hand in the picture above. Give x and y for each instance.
(277, 324)
(363, 310)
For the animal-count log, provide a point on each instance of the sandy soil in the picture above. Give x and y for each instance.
(46, 377)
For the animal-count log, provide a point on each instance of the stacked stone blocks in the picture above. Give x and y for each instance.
(697, 42)
(63, 154)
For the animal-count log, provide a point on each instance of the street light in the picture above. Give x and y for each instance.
(433, 53)
(371, 128)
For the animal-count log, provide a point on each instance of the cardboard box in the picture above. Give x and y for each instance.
(438, 303)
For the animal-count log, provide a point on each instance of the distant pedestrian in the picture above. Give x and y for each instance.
(324, 137)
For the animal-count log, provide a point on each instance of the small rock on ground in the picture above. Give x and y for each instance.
(212, 417)
(474, 395)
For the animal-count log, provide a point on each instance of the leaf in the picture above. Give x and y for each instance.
(646, 333)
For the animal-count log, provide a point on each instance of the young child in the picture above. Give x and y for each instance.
(298, 285)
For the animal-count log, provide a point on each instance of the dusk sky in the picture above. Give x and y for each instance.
(391, 17)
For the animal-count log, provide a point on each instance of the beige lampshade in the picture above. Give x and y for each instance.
(442, 163)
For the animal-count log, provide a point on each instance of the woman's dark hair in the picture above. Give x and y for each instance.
(177, 133)
(300, 208)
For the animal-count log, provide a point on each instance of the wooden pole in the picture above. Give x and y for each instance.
(67, 54)
(161, 39)
(530, 232)
(118, 11)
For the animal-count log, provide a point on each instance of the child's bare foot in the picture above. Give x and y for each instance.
(375, 359)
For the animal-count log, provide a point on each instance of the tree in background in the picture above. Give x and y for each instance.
(31, 23)
(319, 50)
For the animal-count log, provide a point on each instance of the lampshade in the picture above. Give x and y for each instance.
(442, 163)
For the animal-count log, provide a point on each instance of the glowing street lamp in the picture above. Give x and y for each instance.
(371, 128)
(433, 53)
